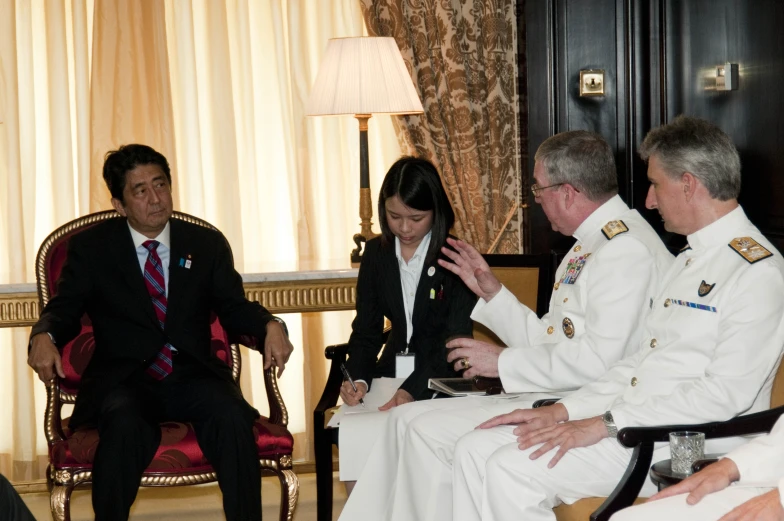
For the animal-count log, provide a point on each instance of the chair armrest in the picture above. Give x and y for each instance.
(545, 402)
(279, 415)
(53, 423)
(642, 439)
(739, 426)
(702, 463)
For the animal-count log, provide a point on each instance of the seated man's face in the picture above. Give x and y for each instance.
(147, 200)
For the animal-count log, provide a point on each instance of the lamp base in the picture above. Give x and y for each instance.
(356, 253)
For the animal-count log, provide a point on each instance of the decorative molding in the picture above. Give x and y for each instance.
(18, 309)
(295, 296)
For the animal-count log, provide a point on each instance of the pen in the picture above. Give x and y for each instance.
(350, 380)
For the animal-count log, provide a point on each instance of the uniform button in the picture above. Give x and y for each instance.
(550, 330)
(688, 261)
(556, 286)
(634, 381)
(578, 248)
(667, 303)
(566, 299)
(654, 343)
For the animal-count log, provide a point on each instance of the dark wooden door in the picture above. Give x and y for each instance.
(657, 56)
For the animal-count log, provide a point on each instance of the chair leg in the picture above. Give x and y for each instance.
(60, 502)
(289, 493)
(323, 449)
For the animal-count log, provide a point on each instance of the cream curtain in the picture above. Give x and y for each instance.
(219, 86)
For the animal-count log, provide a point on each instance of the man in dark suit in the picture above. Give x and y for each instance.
(149, 285)
(12, 508)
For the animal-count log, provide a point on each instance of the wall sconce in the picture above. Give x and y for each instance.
(592, 82)
(727, 76)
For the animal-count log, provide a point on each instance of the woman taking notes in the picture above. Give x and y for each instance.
(400, 279)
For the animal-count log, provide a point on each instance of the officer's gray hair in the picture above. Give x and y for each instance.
(582, 159)
(701, 148)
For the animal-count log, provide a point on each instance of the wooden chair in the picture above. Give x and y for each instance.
(529, 277)
(178, 461)
(642, 439)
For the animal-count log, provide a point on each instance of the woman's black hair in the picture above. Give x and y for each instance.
(417, 183)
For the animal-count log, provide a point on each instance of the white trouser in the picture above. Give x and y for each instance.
(675, 508)
(408, 475)
(495, 480)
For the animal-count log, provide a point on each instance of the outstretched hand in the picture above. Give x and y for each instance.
(529, 420)
(765, 507)
(399, 398)
(716, 476)
(565, 436)
(468, 264)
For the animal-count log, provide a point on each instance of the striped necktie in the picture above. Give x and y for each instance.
(161, 366)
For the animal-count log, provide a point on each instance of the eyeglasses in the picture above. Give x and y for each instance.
(535, 189)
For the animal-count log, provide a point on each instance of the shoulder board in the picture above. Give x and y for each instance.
(613, 228)
(750, 249)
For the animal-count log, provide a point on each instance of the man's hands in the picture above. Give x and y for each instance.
(766, 507)
(716, 476)
(44, 358)
(470, 266)
(565, 436)
(351, 397)
(529, 420)
(482, 356)
(277, 348)
(399, 398)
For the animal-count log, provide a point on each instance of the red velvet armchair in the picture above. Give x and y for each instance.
(178, 461)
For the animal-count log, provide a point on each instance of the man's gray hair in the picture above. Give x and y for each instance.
(582, 159)
(701, 148)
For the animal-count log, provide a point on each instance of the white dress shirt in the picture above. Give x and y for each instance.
(410, 273)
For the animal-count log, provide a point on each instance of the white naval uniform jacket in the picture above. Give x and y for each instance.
(711, 342)
(595, 312)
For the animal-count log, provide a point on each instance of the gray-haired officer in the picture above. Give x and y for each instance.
(710, 348)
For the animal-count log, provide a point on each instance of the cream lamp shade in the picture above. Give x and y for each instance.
(363, 75)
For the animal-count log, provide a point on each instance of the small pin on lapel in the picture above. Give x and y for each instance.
(431, 271)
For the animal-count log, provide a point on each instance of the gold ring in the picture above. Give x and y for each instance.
(466, 363)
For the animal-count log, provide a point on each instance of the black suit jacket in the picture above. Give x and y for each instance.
(102, 277)
(379, 295)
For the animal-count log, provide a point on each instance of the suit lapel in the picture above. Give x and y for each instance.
(177, 274)
(426, 283)
(126, 262)
(394, 288)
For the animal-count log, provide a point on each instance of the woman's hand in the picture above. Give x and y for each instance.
(349, 395)
(399, 398)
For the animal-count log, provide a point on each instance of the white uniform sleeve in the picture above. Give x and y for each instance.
(503, 311)
(748, 347)
(622, 277)
(762, 459)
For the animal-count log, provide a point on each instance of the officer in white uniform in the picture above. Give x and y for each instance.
(756, 471)
(711, 345)
(603, 288)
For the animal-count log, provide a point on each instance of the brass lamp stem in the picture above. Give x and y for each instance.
(365, 200)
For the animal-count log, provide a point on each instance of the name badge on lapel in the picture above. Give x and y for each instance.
(404, 364)
(185, 263)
